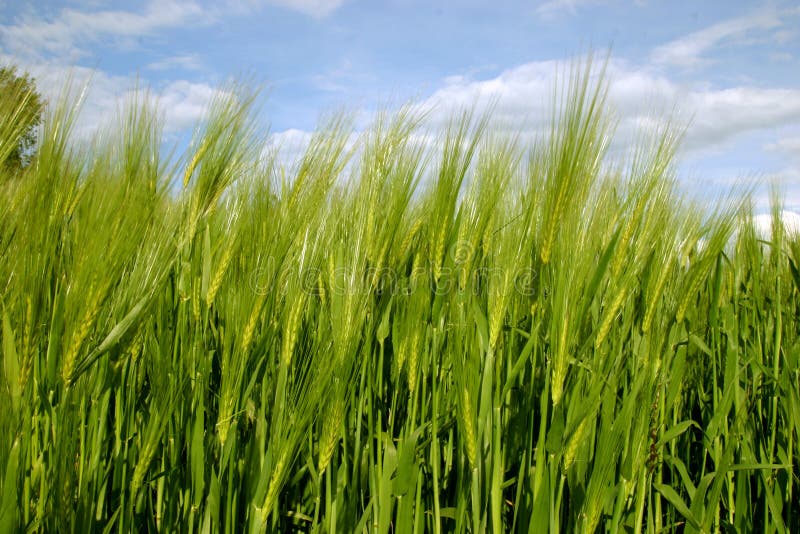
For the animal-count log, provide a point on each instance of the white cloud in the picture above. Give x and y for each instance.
(181, 103)
(687, 51)
(787, 182)
(721, 115)
(287, 146)
(763, 223)
(522, 93)
(523, 97)
(184, 103)
(67, 34)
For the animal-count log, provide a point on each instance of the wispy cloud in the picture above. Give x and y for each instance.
(781, 57)
(690, 50)
(314, 8)
(343, 77)
(69, 33)
(789, 146)
(182, 62)
(51, 48)
(554, 7)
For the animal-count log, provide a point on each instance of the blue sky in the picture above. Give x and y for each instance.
(728, 69)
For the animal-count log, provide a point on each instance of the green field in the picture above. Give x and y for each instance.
(469, 334)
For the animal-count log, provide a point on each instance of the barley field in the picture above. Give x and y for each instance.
(467, 334)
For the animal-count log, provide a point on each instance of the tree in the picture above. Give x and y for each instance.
(21, 108)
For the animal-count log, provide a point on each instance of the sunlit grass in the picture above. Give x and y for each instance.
(475, 337)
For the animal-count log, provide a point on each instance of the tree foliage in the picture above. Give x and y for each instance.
(21, 108)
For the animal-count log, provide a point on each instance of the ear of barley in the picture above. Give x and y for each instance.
(486, 239)
(224, 419)
(609, 316)
(252, 321)
(143, 463)
(379, 265)
(283, 280)
(627, 234)
(276, 480)
(293, 323)
(470, 435)
(438, 253)
(413, 361)
(574, 442)
(464, 257)
(463, 275)
(196, 299)
(400, 356)
(405, 247)
(560, 362)
(71, 357)
(194, 162)
(553, 220)
(332, 278)
(193, 216)
(655, 296)
(329, 437)
(498, 311)
(219, 274)
(417, 271)
(321, 291)
(26, 358)
(690, 292)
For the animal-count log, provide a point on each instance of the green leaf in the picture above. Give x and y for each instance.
(756, 466)
(10, 360)
(700, 344)
(406, 465)
(481, 324)
(382, 331)
(676, 431)
(795, 273)
(113, 337)
(675, 500)
(198, 457)
(519, 365)
(555, 434)
(9, 503)
(206, 272)
(597, 277)
(678, 464)
(699, 495)
(55, 333)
